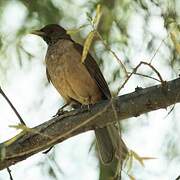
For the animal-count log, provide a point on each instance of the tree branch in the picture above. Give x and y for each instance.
(58, 129)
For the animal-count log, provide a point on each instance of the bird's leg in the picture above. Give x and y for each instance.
(86, 106)
(59, 112)
(80, 106)
(75, 105)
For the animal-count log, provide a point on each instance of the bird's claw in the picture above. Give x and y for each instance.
(88, 106)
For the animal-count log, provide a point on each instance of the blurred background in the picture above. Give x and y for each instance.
(138, 30)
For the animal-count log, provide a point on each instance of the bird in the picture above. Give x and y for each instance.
(79, 83)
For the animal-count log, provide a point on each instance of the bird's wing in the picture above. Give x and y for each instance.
(95, 72)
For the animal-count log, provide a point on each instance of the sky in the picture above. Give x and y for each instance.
(37, 101)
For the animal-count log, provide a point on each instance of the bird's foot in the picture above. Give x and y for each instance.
(88, 106)
(59, 112)
(76, 105)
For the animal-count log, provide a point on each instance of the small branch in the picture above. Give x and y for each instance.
(113, 53)
(17, 114)
(156, 51)
(11, 105)
(108, 48)
(155, 70)
(135, 70)
(78, 121)
(9, 172)
(143, 75)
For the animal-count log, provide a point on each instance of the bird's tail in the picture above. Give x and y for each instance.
(110, 144)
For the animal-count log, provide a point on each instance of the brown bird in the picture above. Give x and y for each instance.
(79, 83)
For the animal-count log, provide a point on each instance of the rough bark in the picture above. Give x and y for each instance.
(75, 122)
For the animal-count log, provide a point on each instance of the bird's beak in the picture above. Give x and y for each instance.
(38, 33)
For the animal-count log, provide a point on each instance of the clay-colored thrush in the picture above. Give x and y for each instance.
(79, 82)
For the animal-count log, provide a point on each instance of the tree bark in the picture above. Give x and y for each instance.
(33, 140)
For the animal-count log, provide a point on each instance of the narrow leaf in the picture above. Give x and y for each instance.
(148, 158)
(10, 141)
(178, 48)
(74, 31)
(20, 127)
(2, 151)
(141, 159)
(98, 15)
(131, 177)
(175, 42)
(173, 37)
(130, 163)
(138, 158)
(87, 45)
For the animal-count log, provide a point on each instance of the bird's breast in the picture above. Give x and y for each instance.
(69, 76)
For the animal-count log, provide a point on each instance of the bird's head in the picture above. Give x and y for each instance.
(52, 33)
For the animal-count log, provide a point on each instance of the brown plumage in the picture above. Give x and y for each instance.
(78, 82)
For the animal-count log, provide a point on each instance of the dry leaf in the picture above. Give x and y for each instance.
(141, 159)
(96, 20)
(74, 31)
(130, 163)
(175, 42)
(2, 151)
(87, 45)
(131, 177)
(20, 127)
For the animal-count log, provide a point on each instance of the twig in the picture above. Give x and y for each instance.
(13, 108)
(136, 68)
(139, 74)
(155, 70)
(107, 47)
(9, 172)
(172, 106)
(156, 51)
(113, 53)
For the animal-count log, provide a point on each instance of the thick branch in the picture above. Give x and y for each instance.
(75, 122)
